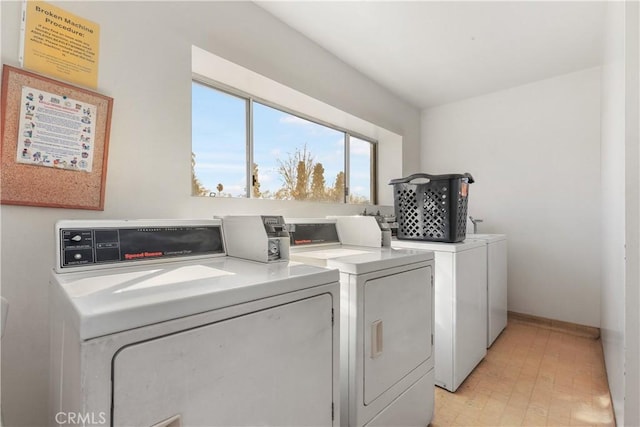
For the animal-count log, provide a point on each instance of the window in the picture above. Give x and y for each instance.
(296, 159)
(245, 148)
(361, 166)
(218, 142)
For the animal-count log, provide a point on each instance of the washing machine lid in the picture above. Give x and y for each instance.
(438, 246)
(319, 241)
(377, 259)
(487, 237)
(106, 301)
(319, 255)
(358, 259)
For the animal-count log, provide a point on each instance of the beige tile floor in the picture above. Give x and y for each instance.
(532, 376)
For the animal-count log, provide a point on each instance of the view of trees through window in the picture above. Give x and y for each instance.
(291, 158)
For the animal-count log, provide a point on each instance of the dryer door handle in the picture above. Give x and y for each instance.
(376, 339)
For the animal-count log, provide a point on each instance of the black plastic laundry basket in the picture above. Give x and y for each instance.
(433, 210)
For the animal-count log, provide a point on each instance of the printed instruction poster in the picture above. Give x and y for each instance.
(55, 131)
(59, 44)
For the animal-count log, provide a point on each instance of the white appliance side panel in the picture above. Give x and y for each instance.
(397, 328)
(444, 314)
(412, 408)
(497, 288)
(65, 390)
(271, 367)
(470, 343)
(359, 231)
(348, 347)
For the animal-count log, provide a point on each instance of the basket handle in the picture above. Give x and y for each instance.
(427, 176)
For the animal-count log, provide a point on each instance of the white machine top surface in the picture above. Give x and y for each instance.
(351, 244)
(110, 300)
(358, 259)
(487, 237)
(438, 246)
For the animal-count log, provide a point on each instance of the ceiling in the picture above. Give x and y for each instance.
(436, 52)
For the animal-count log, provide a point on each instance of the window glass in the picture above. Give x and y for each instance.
(296, 159)
(360, 173)
(286, 158)
(218, 137)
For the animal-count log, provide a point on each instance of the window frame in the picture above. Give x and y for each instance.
(250, 99)
(373, 166)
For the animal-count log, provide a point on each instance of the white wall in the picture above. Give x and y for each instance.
(632, 213)
(620, 216)
(613, 194)
(534, 152)
(145, 65)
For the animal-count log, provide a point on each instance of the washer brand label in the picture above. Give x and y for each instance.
(143, 255)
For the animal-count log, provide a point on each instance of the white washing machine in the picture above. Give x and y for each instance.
(460, 307)
(153, 325)
(386, 320)
(496, 283)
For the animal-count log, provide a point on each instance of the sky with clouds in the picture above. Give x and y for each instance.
(219, 143)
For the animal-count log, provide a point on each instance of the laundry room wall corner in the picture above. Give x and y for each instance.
(534, 151)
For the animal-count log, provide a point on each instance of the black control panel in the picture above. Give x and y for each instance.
(86, 246)
(309, 234)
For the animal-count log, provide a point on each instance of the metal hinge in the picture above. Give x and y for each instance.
(332, 411)
(431, 339)
(332, 317)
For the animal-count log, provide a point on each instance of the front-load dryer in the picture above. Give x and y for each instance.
(386, 320)
(153, 325)
(460, 307)
(496, 283)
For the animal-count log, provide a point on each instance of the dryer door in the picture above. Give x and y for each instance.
(271, 367)
(397, 328)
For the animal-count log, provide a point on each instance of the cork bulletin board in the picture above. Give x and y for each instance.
(54, 144)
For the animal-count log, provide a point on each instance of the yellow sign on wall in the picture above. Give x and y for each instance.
(59, 44)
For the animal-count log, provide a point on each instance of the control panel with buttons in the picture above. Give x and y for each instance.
(95, 246)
